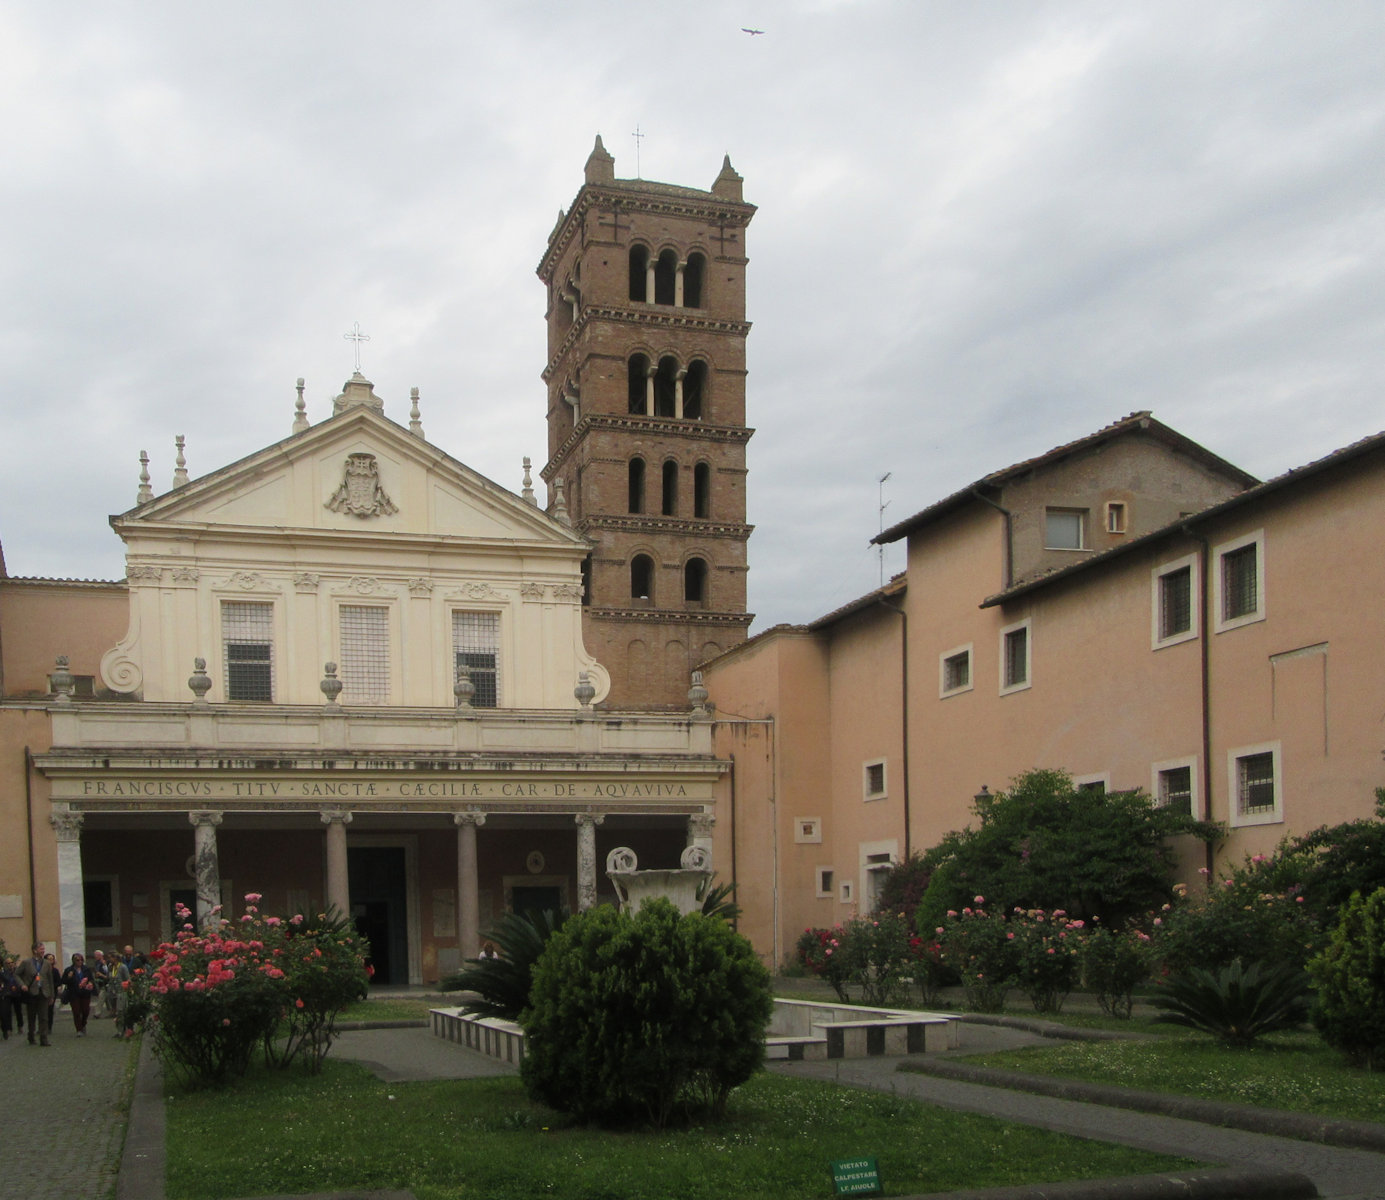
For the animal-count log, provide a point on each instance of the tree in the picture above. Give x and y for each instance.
(1350, 978)
(1045, 844)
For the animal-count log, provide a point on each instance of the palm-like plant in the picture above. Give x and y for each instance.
(501, 985)
(1237, 1003)
(718, 900)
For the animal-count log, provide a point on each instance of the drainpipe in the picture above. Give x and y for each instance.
(29, 825)
(1204, 629)
(1009, 536)
(904, 712)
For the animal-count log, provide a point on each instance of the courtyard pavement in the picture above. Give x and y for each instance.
(65, 1118)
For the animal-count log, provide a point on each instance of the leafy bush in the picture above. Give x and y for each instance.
(1113, 966)
(502, 984)
(645, 1017)
(981, 948)
(1045, 844)
(1350, 977)
(903, 886)
(877, 957)
(1048, 950)
(821, 953)
(1238, 1003)
(1233, 918)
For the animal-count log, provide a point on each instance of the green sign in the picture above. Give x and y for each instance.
(856, 1177)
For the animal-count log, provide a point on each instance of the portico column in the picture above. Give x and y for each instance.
(338, 881)
(586, 858)
(468, 882)
(205, 865)
(700, 832)
(67, 825)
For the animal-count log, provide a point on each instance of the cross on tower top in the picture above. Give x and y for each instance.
(357, 337)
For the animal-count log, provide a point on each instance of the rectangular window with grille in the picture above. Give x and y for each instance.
(247, 635)
(1240, 583)
(956, 671)
(365, 654)
(1255, 784)
(1015, 658)
(476, 645)
(1176, 790)
(875, 780)
(1175, 603)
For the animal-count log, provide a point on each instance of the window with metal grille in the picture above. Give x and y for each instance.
(1240, 583)
(1255, 784)
(957, 671)
(1176, 790)
(247, 634)
(875, 780)
(365, 654)
(1176, 602)
(1016, 657)
(476, 645)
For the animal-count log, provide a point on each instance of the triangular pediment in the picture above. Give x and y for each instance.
(355, 475)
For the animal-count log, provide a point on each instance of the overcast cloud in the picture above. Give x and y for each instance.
(983, 230)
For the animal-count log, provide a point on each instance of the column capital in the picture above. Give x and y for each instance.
(205, 816)
(472, 816)
(701, 824)
(340, 816)
(67, 825)
(592, 819)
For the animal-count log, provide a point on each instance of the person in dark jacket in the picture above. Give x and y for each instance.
(40, 983)
(79, 985)
(11, 998)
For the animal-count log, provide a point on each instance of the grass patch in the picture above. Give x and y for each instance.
(395, 1008)
(288, 1132)
(1288, 1071)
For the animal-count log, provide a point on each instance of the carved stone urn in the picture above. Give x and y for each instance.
(680, 886)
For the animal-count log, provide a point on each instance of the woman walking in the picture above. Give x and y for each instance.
(79, 984)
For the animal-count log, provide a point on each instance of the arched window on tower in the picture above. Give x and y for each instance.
(665, 387)
(694, 386)
(664, 272)
(639, 270)
(695, 581)
(693, 275)
(638, 372)
(702, 490)
(636, 485)
(670, 505)
(641, 577)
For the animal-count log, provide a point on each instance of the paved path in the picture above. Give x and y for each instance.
(64, 1113)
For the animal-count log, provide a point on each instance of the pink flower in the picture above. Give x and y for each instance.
(253, 897)
(1203, 871)
(978, 899)
(1009, 937)
(1158, 920)
(1049, 950)
(296, 919)
(225, 1021)
(939, 931)
(272, 921)
(298, 1003)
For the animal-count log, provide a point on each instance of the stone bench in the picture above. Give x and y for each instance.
(503, 1040)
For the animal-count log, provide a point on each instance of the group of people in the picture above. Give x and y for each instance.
(30, 989)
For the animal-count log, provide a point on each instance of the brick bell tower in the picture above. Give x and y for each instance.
(646, 420)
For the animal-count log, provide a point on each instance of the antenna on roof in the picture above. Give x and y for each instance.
(639, 137)
(884, 504)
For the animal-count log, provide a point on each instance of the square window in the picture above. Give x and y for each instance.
(247, 633)
(476, 646)
(1063, 528)
(365, 654)
(1176, 789)
(1254, 785)
(875, 780)
(1240, 582)
(1014, 657)
(807, 830)
(955, 671)
(1115, 517)
(848, 893)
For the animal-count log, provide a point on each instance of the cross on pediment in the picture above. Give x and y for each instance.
(357, 337)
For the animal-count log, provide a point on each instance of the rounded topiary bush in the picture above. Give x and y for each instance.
(644, 1018)
(1350, 978)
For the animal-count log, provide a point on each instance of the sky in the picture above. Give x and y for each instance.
(983, 230)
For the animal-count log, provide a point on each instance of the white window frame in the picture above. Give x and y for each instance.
(1274, 816)
(807, 830)
(1082, 515)
(1028, 680)
(877, 858)
(944, 658)
(1089, 782)
(847, 891)
(1156, 603)
(1257, 539)
(867, 793)
(1117, 513)
(1156, 775)
(826, 882)
(274, 643)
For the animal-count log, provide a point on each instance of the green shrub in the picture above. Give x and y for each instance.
(981, 948)
(502, 984)
(877, 957)
(1237, 1003)
(1048, 950)
(1350, 977)
(903, 886)
(1233, 918)
(826, 954)
(644, 1018)
(1113, 966)
(323, 960)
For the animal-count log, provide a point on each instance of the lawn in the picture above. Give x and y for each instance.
(284, 1131)
(395, 1008)
(1288, 1071)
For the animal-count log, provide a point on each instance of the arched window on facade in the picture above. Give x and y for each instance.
(639, 270)
(670, 490)
(636, 485)
(665, 271)
(695, 581)
(665, 387)
(702, 490)
(642, 577)
(694, 387)
(693, 275)
(638, 371)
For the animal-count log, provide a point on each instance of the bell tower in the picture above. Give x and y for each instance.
(646, 419)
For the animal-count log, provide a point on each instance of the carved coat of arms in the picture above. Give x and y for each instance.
(360, 493)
